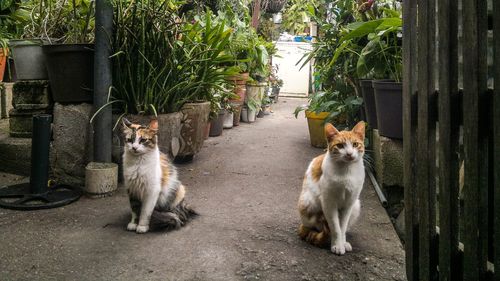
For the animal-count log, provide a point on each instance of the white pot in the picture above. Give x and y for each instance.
(228, 120)
(251, 115)
(244, 114)
(101, 179)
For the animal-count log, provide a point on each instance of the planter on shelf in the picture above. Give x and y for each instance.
(71, 72)
(316, 124)
(169, 130)
(239, 81)
(369, 102)
(3, 62)
(29, 59)
(236, 113)
(389, 100)
(217, 124)
(228, 120)
(195, 119)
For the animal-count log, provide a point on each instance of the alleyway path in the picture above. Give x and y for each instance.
(245, 184)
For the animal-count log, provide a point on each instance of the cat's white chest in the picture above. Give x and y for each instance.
(342, 185)
(140, 175)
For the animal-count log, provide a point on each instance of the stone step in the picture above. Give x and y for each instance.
(15, 155)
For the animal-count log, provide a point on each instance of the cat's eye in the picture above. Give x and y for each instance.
(339, 145)
(356, 144)
(143, 140)
(129, 139)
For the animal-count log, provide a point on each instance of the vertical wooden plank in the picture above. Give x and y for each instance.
(448, 139)
(427, 270)
(483, 132)
(473, 256)
(409, 136)
(496, 134)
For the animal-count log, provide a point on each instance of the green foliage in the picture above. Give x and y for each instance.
(61, 21)
(161, 62)
(13, 16)
(297, 13)
(336, 103)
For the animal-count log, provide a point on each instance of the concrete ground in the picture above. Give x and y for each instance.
(245, 184)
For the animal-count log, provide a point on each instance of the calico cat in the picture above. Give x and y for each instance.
(329, 202)
(151, 181)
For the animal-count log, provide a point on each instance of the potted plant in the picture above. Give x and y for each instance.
(70, 52)
(335, 107)
(27, 52)
(275, 83)
(382, 56)
(13, 16)
(172, 68)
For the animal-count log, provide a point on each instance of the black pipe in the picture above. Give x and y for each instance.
(40, 145)
(102, 80)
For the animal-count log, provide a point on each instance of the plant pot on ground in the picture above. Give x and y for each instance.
(194, 123)
(228, 120)
(316, 124)
(389, 100)
(236, 113)
(217, 124)
(29, 59)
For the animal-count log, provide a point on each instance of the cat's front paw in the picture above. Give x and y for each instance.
(142, 229)
(348, 247)
(131, 226)
(338, 249)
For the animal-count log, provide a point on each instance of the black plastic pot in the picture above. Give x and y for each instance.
(369, 102)
(389, 100)
(217, 125)
(71, 72)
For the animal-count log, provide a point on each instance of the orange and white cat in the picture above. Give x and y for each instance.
(151, 180)
(329, 203)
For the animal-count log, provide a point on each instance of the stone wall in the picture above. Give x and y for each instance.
(71, 148)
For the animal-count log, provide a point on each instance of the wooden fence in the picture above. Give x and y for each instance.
(451, 117)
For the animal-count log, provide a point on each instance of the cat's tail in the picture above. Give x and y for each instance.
(175, 217)
(315, 237)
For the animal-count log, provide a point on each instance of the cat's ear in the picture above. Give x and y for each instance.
(359, 129)
(126, 123)
(330, 131)
(153, 125)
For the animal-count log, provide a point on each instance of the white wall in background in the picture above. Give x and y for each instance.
(295, 80)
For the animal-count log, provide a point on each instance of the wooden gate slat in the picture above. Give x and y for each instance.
(471, 191)
(427, 270)
(448, 139)
(496, 135)
(409, 132)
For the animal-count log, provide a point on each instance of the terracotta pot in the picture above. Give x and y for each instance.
(239, 89)
(3, 62)
(194, 124)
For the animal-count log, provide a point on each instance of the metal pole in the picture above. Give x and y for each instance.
(40, 153)
(102, 80)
